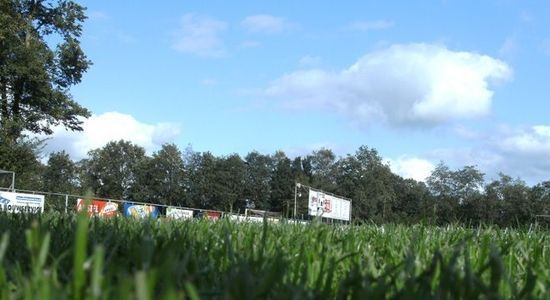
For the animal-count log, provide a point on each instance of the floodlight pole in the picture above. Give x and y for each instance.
(296, 186)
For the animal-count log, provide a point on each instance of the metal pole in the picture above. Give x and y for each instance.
(66, 202)
(350, 208)
(295, 193)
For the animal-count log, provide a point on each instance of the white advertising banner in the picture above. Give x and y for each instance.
(21, 203)
(178, 213)
(328, 206)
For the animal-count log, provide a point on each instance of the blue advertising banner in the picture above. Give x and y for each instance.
(140, 211)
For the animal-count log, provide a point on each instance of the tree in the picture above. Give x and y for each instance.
(258, 176)
(453, 189)
(322, 169)
(540, 197)
(111, 171)
(40, 59)
(514, 206)
(229, 182)
(282, 184)
(201, 174)
(364, 178)
(60, 174)
(414, 202)
(161, 179)
(22, 158)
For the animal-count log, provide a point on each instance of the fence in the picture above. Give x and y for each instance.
(67, 202)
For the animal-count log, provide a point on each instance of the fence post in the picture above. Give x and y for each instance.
(66, 202)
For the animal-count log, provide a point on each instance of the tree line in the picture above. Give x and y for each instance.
(41, 59)
(170, 176)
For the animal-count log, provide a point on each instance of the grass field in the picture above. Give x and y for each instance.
(56, 256)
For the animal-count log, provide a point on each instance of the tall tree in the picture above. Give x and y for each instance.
(376, 188)
(22, 158)
(229, 183)
(414, 202)
(40, 59)
(60, 174)
(258, 176)
(282, 184)
(322, 169)
(453, 189)
(161, 179)
(514, 204)
(201, 170)
(111, 171)
(540, 197)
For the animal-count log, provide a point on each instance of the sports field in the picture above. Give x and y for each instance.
(56, 256)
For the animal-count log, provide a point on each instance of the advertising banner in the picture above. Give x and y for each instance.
(140, 211)
(213, 215)
(178, 213)
(328, 206)
(21, 203)
(99, 208)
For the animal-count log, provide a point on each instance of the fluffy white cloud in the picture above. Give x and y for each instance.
(402, 85)
(371, 25)
(263, 23)
(200, 35)
(526, 152)
(98, 130)
(518, 152)
(412, 167)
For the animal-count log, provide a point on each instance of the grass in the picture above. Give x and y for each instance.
(55, 256)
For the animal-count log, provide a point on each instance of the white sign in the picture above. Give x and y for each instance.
(178, 213)
(327, 206)
(21, 203)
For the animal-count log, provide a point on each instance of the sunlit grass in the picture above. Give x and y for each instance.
(57, 256)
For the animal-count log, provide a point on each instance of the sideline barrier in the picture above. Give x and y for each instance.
(106, 207)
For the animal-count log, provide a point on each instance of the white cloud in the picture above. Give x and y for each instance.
(402, 85)
(309, 60)
(534, 141)
(518, 152)
(263, 23)
(371, 25)
(200, 35)
(98, 130)
(412, 167)
(466, 133)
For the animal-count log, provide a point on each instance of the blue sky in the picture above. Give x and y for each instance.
(465, 82)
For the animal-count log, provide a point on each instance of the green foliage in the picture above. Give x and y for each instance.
(161, 179)
(111, 171)
(68, 256)
(40, 59)
(21, 157)
(282, 183)
(122, 170)
(258, 179)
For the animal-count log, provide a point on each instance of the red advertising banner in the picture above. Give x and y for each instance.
(99, 208)
(213, 215)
